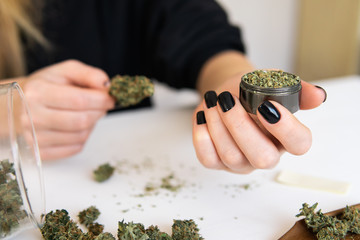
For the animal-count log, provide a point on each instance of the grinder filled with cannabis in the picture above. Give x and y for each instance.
(21, 185)
(277, 85)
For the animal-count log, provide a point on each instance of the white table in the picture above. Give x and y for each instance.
(152, 143)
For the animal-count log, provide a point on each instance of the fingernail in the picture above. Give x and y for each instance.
(269, 112)
(210, 99)
(226, 101)
(107, 83)
(324, 92)
(200, 117)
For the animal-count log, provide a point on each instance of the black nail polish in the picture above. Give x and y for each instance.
(226, 101)
(324, 92)
(210, 99)
(200, 117)
(269, 112)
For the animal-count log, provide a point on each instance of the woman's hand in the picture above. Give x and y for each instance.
(66, 100)
(226, 137)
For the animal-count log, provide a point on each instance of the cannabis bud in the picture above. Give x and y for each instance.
(130, 231)
(59, 226)
(103, 172)
(271, 78)
(11, 203)
(88, 216)
(331, 227)
(128, 90)
(185, 229)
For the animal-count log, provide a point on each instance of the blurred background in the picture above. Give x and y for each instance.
(314, 39)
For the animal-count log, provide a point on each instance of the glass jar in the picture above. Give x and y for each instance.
(22, 197)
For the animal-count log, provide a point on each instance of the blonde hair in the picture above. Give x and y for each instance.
(19, 20)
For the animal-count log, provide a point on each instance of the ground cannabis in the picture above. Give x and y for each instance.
(130, 90)
(271, 78)
(11, 203)
(331, 227)
(168, 183)
(103, 172)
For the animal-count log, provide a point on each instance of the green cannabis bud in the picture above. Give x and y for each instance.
(105, 236)
(11, 203)
(154, 233)
(271, 78)
(88, 216)
(103, 172)
(331, 227)
(128, 90)
(58, 225)
(185, 229)
(95, 228)
(131, 231)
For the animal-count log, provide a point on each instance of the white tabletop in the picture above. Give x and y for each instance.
(149, 144)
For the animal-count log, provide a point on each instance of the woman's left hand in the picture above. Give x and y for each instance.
(227, 137)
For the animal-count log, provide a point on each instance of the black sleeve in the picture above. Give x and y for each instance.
(181, 35)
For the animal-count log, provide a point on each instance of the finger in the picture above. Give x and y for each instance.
(259, 150)
(204, 147)
(311, 96)
(62, 120)
(291, 133)
(58, 152)
(68, 97)
(51, 138)
(228, 150)
(78, 73)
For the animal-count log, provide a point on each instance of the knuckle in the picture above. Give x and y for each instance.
(267, 160)
(73, 62)
(234, 159)
(209, 162)
(79, 101)
(82, 137)
(83, 121)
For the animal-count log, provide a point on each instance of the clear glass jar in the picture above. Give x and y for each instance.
(22, 197)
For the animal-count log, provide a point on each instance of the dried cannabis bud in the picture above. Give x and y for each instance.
(11, 203)
(89, 215)
(271, 79)
(59, 226)
(103, 172)
(95, 228)
(105, 236)
(331, 227)
(131, 231)
(129, 90)
(185, 229)
(154, 233)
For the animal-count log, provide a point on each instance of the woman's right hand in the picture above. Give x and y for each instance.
(66, 100)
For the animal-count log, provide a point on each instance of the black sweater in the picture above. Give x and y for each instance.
(168, 40)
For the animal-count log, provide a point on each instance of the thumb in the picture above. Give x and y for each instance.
(311, 96)
(81, 74)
